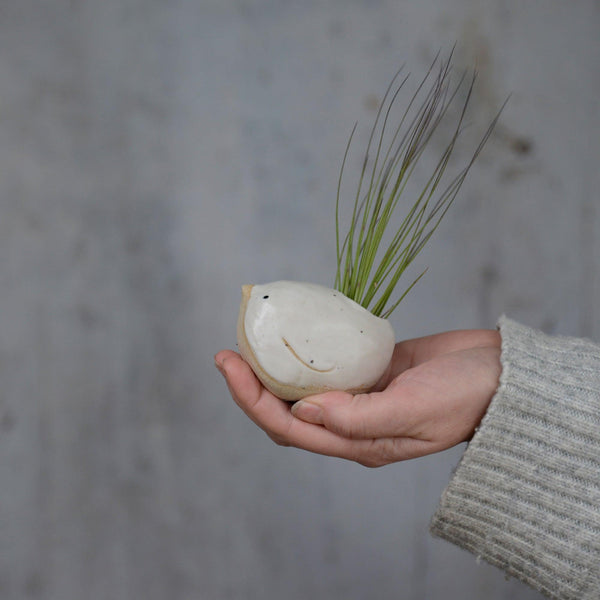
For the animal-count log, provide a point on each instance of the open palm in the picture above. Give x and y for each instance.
(432, 397)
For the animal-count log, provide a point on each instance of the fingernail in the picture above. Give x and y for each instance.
(220, 367)
(307, 411)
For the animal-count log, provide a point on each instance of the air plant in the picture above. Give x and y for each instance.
(301, 338)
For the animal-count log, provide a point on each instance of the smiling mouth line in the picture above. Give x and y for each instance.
(307, 365)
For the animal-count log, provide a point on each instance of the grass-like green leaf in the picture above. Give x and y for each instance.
(369, 265)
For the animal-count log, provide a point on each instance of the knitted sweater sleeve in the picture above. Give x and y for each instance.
(526, 494)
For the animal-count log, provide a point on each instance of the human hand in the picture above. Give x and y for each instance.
(432, 397)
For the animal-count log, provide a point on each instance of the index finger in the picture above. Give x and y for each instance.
(390, 413)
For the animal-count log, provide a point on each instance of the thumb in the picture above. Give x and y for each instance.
(361, 416)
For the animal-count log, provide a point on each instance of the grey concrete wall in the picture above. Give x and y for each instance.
(156, 155)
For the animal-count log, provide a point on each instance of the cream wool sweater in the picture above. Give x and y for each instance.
(526, 494)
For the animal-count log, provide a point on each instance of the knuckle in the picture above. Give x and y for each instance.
(389, 451)
(348, 422)
(360, 399)
(282, 436)
(279, 440)
(368, 459)
(380, 453)
(370, 463)
(346, 429)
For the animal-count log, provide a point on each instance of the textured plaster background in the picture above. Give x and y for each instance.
(154, 156)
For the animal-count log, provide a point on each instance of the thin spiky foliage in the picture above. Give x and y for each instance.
(367, 272)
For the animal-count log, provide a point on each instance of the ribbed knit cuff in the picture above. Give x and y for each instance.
(526, 494)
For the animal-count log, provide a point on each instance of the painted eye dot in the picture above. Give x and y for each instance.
(265, 297)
